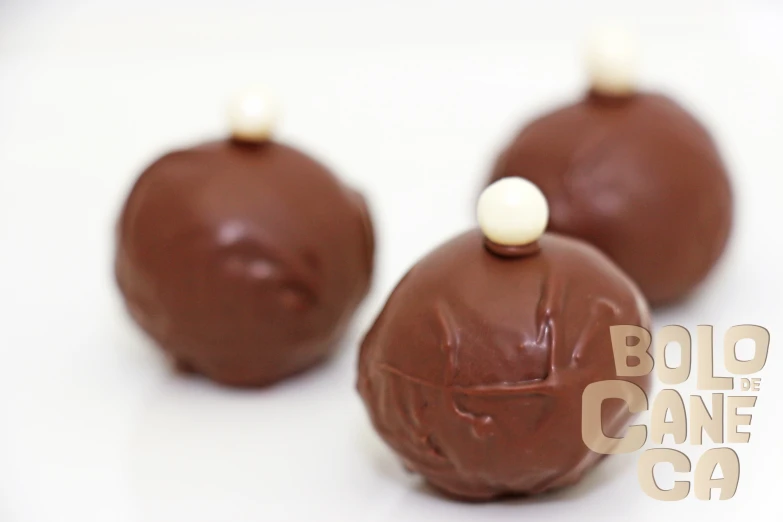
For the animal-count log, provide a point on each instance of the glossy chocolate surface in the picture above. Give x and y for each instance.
(474, 371)
(244, 262)
(636, 176)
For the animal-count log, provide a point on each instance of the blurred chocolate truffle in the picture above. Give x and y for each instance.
(244, 259)
(631, 172)
(474, 371)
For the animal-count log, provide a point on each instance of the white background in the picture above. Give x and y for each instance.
(407, 100)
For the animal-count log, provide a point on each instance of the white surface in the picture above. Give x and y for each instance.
(512, 211)
(403, 99)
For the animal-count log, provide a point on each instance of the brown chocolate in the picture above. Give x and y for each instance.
(243, 261)
(474, 371)
(636, 176)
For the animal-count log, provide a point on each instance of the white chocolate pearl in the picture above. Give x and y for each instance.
(252, 115)
(512, 212)
(612, 61)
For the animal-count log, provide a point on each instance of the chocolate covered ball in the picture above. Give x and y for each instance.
(634, 174)
(474, 371)
(244, 259)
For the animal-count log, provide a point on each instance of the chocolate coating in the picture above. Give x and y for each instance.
(244, 262)
(474, 371)
(636, 176)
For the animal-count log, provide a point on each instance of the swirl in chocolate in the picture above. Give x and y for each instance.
(474, 371)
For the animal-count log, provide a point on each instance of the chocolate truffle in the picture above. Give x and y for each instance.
(634, 174)
(244, 259)
(474, 371)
